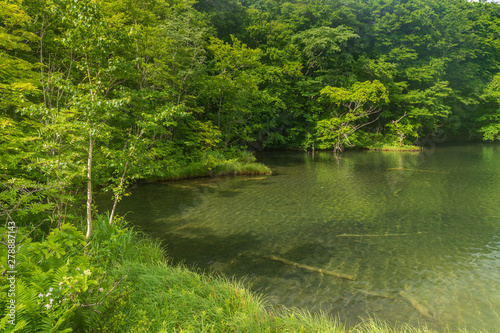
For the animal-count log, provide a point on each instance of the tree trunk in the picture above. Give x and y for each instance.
(401, 138)
(89, 188)
(122, 180)
(58, 181)
(221, 96)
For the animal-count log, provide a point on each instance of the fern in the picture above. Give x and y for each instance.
(6, 327)
(57, 278)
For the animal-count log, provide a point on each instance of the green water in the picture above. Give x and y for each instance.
(432, 231)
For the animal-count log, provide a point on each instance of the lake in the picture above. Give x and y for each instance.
(419, 231)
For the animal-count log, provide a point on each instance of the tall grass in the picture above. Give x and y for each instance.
(119, 242)
(216, 163)
(163, 298)
(373, 325)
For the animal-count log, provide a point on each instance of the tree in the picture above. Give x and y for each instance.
(143, 143)
(403, 128)
(429, 106)
(490, 121)
(86, 94)
(321, 45)
(443, 53)
(233, 64)
(351, 112)
(22, 194)
(17, 77)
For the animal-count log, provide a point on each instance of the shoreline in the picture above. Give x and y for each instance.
(194, 171)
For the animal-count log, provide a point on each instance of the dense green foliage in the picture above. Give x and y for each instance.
(102, 94)
(178, 78)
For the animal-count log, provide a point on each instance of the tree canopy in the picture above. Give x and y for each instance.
(99, 94)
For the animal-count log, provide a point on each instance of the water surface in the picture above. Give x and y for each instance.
(426, 223)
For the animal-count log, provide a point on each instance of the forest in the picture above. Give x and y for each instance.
(98, 95)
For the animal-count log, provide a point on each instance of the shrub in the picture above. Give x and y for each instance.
(56, 283)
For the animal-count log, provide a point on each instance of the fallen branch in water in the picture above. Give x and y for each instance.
(380, 235)
(419, 307)
(403, 169)
(313, 269)
(369, 293)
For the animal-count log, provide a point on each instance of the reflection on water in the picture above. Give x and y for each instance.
(427, 224)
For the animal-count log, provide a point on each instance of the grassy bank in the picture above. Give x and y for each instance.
(390, 147)
(216, 163)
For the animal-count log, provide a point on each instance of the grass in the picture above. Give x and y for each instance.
(155, 296)
(240, 168)
(392, 147)
(163, 298)
(215, 163)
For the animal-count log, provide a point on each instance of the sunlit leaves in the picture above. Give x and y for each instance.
(491, 121)
(235, 83)
(353, 107)
(360, 92)
(16, 76)
(234, 56)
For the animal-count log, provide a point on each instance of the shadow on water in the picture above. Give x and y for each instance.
(199, 247)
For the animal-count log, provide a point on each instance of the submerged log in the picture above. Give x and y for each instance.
(380, 235)
(419, 307)
(313, 269)
(419, 170)
(369, 293)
